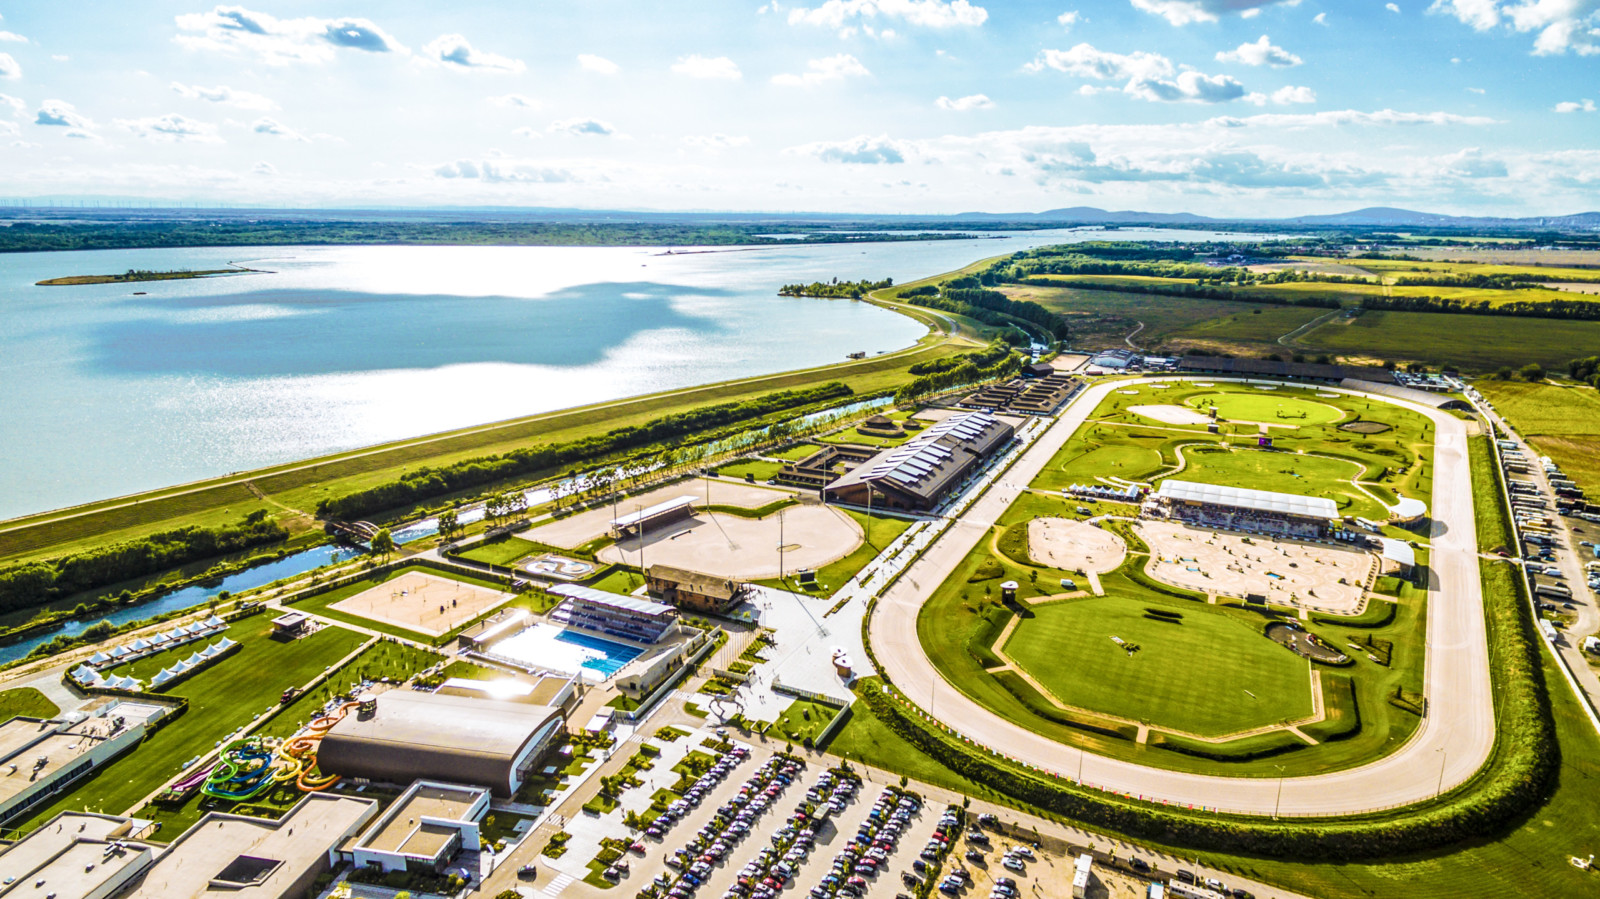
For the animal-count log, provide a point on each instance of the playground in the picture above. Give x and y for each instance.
(745, 548)
(576, 530)
(1074, 545)
(1312, 576)
(250, 767)
(422, 602)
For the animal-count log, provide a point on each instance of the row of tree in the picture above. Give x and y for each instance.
(1002, 363)
(834, 289)
(1196, 291)
(1582, 310)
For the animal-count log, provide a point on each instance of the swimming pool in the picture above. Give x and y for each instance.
(562, 649)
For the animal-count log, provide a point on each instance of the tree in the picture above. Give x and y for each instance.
(449, 524)
(1503, 373)
(383, 542)
(1532, 372)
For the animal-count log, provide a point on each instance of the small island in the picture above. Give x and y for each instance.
(138, 274)
(834, 289)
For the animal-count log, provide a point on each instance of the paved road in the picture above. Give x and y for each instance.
(1450, 745)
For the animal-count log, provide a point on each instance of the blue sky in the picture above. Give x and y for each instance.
(1222, 107)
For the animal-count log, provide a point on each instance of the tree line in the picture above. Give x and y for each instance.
(1580, 310)
(430, 482)
(968, 297)
(834, 289)
(30, 584)
(995, 363)
(1195, 291)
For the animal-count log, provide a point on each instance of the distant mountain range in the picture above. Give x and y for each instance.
(1372, 216)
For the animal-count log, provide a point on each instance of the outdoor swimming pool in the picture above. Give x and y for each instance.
(561, 649)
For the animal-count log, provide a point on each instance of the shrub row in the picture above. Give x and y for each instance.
(425, 483)
(1587, 310)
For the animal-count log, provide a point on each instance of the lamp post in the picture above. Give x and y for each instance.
(1278, 803)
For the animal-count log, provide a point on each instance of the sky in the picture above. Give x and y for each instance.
(1218, 107)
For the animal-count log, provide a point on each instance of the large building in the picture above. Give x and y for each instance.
(612, 614)
(428, 736)
(917, 475)
(424, 830)
(1251, 511)
(40, 759)
(695, 591)
(643, 520)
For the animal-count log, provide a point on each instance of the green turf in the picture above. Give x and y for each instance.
(150, 666)
(803, 718)
(1268, 406)
(1203, 673)
(859, 437)
(221, 698)
(621, 579)
(759, 469)
(503, 551)
(794, 453)
(27, 702)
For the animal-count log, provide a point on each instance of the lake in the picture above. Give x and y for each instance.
(108, 392)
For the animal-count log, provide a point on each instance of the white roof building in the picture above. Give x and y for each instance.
(1245, 498)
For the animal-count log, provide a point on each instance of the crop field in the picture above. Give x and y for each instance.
(1561, 422)
(221, 698)
(1252, 329)
(1474, 342)
(1198, 672)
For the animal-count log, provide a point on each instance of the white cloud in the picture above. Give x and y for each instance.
(9, 69)
(515, 101)
(12, 37)
(926, 13)
(172, 127)
(16, 104)
(697, 66)
(863, 150)
(264, 168)
(1477, 90)
(829, 68)
(1069, 19)
(715, 142)
(598, 64)
(1579, 106)
(224, 95)
(582, 127)
(1342, 117)
(281, 41)
(500, 171)
(1186, 12)
(453, 50)
(1391, 7)
(965, 104)
(60, 113)
(1562, 25)
(1260, 53)
(1148, 76)
(1320, 18)
(60, 57)
(1285, 96)
(1472, 163)
(277, 129)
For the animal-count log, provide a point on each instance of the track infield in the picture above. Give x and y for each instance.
(425, 603)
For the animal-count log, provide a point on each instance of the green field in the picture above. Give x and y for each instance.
(26, 702)
(1101, 318)
(503, 551)
(1202, 673)
(858, 437)
(1561, 422)
(794, 453)
(1258, 469)
(221, 699)
(1474, 342)
(1271, 408)
(758, 469)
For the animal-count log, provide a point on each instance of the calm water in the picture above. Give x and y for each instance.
(108, 393)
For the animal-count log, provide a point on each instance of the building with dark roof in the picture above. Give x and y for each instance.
(695, 590)
(1273, 368)
(918, 474)
(654, 516)
(428, 736)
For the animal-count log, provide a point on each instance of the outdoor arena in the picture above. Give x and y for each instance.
(1074, 545)
(744, 548)
(1287, 572)
(576, 530)
(426, 603)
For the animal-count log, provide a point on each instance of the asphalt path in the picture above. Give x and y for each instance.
(1449, 746)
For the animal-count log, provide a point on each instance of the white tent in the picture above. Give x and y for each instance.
(161, 678)
(174, 634)
(95, 681)
(158, 639)
(99, 658)
(181, 667)
(118, 652)
(128, 683)
(194, 659)
(214, 621)
(210, 652)
(224, 643)
(84, 672)
(138, 645)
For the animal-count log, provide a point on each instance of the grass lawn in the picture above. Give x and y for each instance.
(221, 698)
(622, 579)
(803, 718)
(759, 469)
(879, 532)
(1260, 326)
(1204, 673)
(862, 438)
(26, 702)
(502, 552)
(319, 604)
(396, 661)
(1285, 473)
(1561, 422)
(150, 666)
(1134, 458)
(794, 453)
(1268, 407)
(1493, 524)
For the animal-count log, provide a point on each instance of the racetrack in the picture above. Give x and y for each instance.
(1449, 746)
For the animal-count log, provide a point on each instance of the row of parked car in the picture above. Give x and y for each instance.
(696, 859)
(867, 853)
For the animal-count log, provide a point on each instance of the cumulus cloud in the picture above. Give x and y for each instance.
(925, 13)
(1284, 96)
(1320, 18)
(1559, 25)
(965, 104)
(715, 142)
(1392, 7)
(9, 69)
(597, 64)
(61, 114)
(281, 41)
(12, 37)
(454, 51)
(1342, 117)
(277, 129)
(264, 168)
(861, 150)
(1148, 76)
(1260, 53)
(697, 66)
(515, 101)
(1187, 12)
(500, 171)
(1069, 19)
(1472, 163)
(1575, 106)
(582, 127)
(829, 68)
(224, 95)
(17, 106)
(172, 127)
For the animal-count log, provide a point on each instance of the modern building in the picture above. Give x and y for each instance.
(1251, 511)
(40, 759)
(821, 468)
(424, 829)
(917, 475)
(695, 591)
(612, 614)
(414, 736)
(1036, 395)
(1397, 555)
(76, 855)
(1274, 368)
(658, 515)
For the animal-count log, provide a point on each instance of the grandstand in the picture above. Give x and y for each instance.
(1249, 511)
(659, 514)
(612, 614)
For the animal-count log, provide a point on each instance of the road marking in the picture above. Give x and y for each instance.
(554, 887)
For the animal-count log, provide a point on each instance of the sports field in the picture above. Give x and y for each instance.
(422, 602)
(1202, 673)
(1271, 408)
(744, 548)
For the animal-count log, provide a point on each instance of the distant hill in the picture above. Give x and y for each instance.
(1388, 216)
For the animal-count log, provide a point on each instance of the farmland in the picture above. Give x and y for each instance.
(1561, 422)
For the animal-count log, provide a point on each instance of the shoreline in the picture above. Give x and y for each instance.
(139, 277)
